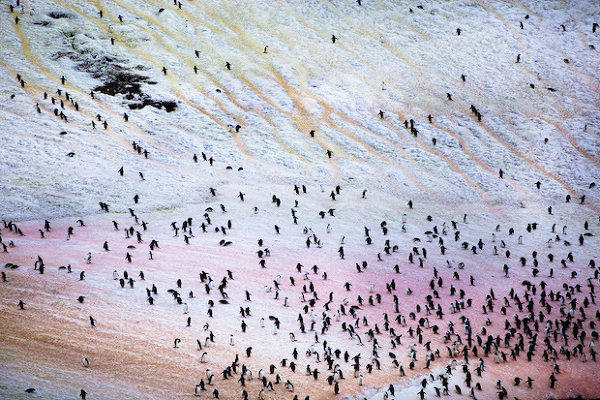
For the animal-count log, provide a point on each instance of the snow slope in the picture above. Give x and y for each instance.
(540, 123)
(305, 82)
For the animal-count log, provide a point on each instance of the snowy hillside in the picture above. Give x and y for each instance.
(304, 82)
(482, 115)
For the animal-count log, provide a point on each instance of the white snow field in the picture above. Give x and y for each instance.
(450, 148)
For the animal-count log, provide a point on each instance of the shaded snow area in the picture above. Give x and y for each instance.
(329, 199)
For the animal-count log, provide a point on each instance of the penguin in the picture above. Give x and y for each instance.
(176, 342)
(85, 362)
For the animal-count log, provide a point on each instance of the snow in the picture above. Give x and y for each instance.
(302, 82)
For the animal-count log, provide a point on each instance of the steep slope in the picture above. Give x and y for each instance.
(304, 82)
(166, 111)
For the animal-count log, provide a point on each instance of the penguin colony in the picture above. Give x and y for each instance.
(305, 288)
